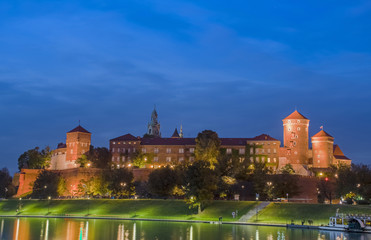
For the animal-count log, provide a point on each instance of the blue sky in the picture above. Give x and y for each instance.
(236, 67)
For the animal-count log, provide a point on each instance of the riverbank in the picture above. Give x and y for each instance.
(277, 214)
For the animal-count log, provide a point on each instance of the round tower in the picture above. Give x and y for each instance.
(323, 147)
(295, 138)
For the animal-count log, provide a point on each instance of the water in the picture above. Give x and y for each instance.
(38, 228)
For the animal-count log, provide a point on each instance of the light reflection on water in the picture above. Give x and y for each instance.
(45, 229)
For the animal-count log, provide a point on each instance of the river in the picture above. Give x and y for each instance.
(53, 228)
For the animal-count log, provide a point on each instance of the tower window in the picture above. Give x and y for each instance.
(289, 129)
(289, 121)
(298, 121)
(294, 143)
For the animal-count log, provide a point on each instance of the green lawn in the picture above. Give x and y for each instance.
(160, 209)
(319, 213)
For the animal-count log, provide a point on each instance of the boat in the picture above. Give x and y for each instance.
(349, 223)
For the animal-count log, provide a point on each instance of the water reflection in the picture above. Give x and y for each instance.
(45, 229)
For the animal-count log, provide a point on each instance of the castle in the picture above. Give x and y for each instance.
(176, 149)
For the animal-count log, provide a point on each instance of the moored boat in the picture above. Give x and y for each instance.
(349, 223)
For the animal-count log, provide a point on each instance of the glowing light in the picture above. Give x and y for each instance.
(129, 165)
(320, 173)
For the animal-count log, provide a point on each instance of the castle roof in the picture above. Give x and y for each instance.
(263, 137)
(295, 115)
(79, 129)
(175, 134)
(126, 137)
(322, 134)
(168, 141)
(338, 154)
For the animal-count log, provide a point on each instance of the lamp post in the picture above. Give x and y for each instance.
(88, 205)
(49, 204)
(257, 206)
(287, 196)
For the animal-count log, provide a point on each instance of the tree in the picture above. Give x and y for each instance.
(94, 186)
(48, 184)
(120, 182)
(83, 161)
(326, 190)
(6, 187)
(284, 184)
(260, 179)
(287, 169)
(207, 147)
(201, 183)
(35, 158)
(100, 157)
(141, 159)
(162, 181)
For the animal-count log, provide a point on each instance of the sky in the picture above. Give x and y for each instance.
(235, 67)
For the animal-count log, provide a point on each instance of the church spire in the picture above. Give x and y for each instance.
(154, 125)
(181, 131)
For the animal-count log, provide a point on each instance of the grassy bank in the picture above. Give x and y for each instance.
(158, 209)
(281, 213)
(319, 213)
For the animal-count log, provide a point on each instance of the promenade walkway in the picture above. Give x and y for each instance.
(253, 212)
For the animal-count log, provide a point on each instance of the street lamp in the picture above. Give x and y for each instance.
(257, 206)
(287, 195)
(49, 204)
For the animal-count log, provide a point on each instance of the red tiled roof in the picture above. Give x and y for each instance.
(79, 129)
(264, 137)
(342, 157)
(192, 141)
(168, 141)
(126, 137)
(338, 154)
(322, 134)
(296, 115)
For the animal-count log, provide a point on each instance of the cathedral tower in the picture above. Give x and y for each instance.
(77, 143)
(154, 125)
(323, 147)
(295, 138)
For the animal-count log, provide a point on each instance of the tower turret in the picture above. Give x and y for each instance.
(323, 145)
(295, 138)
(77, 143)
(154, 125)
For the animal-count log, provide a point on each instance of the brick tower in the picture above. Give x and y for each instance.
(78, 143)
(323, 145)
(295, 138)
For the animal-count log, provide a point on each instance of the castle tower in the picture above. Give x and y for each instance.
(295, 138)
(77, 143)
(323, 145)
(154, 125)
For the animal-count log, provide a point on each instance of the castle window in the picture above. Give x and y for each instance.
(181, 159)
(155, 150)
(251, 159)
(269, 150)
(134, 150)
(118, 150)
(269, 160)
(263, 158)
(289, 129)
(191, 150)
(168, 159)
(256, 151)
(318, 161)
(289, 121)
(168, 150)
(262, 150)
(229, 151)
(124, 143)
(298, 121)
(242, 159)
(181, 150)
(144, 150)
(71, 151)
(257, 159)
(128, 150)
(129, 142)
(242, 151)
(113, 159)
(298, 128)
(274, 150)
(113, 142)
(251, 151)
(191, 159)
(296, 153)
(294, 143)
(119, 142)
(274, 159)
(155, 159)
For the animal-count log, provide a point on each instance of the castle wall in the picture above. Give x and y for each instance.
(322, 152)
(77, 143)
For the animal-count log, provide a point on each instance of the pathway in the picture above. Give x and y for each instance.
(252, 212)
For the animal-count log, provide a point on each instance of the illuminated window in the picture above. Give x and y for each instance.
(298, 128)
(251, 159)
(181, 150)
(296, 153)
(113, 142)
(181, 159)
(257, 159)
(118, 150)
(274, 159)
(294, 143)
(298, 121)
(289, 129)
(229, 151)
(263, 158)
(191, 150)
(113, 149)
(168, 150)
(289, 121)
(155, 150)
(155, 159)
(269, 150)
(262, 150)
(144, 150)
(269, 160)
(242, 151)
(274, 150)
(251, 151)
